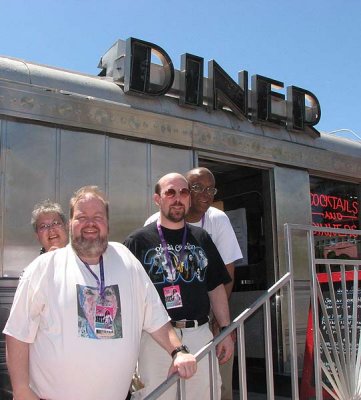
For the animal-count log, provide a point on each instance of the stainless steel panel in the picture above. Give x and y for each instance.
(29, 168)
(162, 120)
(293, 205)
(83, 161)
(128, 187)
(41, 162)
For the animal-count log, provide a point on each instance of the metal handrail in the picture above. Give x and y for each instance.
(339, 376)
(238, 324)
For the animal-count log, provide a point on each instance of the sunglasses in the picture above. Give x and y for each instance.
(171, 193)
(211, 191)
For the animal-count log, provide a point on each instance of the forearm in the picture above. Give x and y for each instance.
(219, 304)
(17, 357)
(166, 337)
(229, 286)
(183, 363)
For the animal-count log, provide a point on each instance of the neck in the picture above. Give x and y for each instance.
(90, 260)
(193, 216)
(170, 224)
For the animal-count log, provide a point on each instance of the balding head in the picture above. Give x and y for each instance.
(173, 199)
(171, 177)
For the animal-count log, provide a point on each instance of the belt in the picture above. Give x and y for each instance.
(189, 323)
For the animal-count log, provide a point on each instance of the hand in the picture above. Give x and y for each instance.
(25, 394)
(225, 349)
(185, 364)
(216, 331)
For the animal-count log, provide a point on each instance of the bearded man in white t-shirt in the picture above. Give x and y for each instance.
(60, 342)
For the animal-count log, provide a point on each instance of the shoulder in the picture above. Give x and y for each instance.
(45, 263)
(152, 218)
(118, 250)
(215, 213)
(142, 232)
(120, 254)
(198, 232)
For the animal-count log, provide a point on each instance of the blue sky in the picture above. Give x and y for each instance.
(313, 44)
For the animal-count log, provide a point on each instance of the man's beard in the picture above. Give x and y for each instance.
(89, 247)
(175, 216)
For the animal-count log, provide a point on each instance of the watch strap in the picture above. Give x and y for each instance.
(182, 348)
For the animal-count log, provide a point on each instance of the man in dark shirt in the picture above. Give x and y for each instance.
(189, 275)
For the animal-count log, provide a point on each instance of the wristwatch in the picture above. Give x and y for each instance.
(182, 348)
(222, 328)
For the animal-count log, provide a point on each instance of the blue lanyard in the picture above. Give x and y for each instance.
(100, 282)
(165, 247)
(203, 218)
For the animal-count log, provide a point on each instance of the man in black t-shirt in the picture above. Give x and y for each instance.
(189, 275)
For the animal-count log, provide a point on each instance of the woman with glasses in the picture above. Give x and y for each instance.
(50, 226)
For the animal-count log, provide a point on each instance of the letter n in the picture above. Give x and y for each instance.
(224, 91)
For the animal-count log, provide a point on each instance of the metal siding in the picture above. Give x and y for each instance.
(293, 205)
(82, 162)
(40, 162)
(29, 178)
(127, 187)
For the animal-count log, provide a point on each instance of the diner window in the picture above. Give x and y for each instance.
(335, 204)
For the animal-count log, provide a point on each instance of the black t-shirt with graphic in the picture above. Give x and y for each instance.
(183, 286)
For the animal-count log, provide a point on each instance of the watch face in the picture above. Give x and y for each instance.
(185, 348)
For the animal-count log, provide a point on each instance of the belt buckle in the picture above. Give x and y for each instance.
(180, 324)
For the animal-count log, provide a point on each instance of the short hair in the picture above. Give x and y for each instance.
(198, 171)
(157, 188)
(88, 191)
(46, 207)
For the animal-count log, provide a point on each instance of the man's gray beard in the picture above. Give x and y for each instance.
(89, 247)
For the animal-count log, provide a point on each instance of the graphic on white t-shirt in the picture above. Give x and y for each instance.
(99, 317)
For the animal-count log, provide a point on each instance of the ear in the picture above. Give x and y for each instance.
(156, 199)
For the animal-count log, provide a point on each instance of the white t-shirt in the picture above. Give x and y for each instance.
(82, 345)
(219, 227)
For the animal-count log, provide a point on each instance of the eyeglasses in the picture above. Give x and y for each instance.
(53, 225)
(170, 193)
(197, 188)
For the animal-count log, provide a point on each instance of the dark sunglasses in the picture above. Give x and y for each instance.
(170, 193)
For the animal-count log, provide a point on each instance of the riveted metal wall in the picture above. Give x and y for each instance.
(40, 162)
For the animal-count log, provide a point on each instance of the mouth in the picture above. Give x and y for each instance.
(177, 208)
(53, 237)
(90, 232)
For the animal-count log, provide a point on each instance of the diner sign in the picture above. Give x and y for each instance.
(299, 110)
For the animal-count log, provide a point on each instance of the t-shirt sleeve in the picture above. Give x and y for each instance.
(152, 218)
(131, 242)
(226, 240)
(154, 313)
(217, 273)
(28, 305)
